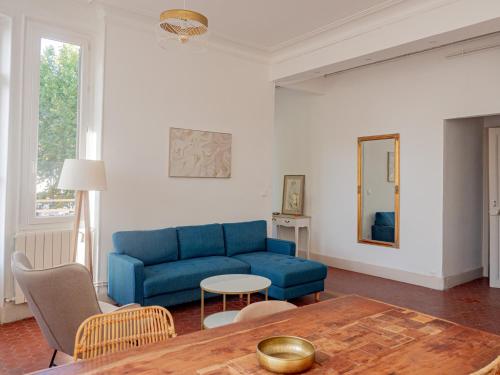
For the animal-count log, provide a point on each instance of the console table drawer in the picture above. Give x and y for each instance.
(284, 222)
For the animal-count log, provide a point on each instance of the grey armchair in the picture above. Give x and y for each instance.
(60, 298)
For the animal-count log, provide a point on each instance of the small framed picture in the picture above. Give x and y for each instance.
(390, 167)
(293, 195)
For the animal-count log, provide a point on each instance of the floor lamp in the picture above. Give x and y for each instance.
(82, 176)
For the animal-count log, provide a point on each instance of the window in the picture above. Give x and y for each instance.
(57, 125)
(53, 130)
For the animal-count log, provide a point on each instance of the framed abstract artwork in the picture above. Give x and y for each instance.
(293, 195)
(197, 153)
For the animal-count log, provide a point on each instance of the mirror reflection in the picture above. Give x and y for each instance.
(378, 190)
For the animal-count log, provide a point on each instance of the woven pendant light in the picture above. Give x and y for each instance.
(181, 25)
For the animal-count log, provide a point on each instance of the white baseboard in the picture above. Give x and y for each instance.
(433, 282)
(427, 281)
(462, 278)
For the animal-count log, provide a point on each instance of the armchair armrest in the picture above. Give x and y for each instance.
(125, 279)
(280, 246)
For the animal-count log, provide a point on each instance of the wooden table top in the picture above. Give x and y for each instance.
(352, 334)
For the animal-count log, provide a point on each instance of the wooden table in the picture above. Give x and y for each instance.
(352, 334)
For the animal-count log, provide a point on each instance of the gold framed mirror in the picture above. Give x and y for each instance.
(378, 190)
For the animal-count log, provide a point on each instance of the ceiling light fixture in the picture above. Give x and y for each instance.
(181, 25)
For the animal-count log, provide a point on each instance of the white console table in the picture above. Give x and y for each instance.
(295, 222)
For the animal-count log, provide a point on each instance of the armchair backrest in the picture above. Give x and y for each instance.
(60, 298)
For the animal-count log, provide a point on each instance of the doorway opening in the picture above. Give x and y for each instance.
(470, 223)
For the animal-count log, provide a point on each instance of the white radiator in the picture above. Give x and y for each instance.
(44, 250)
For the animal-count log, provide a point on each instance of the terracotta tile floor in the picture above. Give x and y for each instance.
(474, 304)
(23, 349)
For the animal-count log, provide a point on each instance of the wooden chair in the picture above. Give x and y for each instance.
(492, 369)
(261, 309)
(110, 333)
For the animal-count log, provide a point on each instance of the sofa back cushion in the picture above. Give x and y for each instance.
(385, 219)
(246, 237)
(200, 241)
(149, 246)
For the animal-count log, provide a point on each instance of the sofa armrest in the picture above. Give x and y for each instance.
(125, 279)
(280, 246)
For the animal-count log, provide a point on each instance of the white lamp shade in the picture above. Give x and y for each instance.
(83, 175)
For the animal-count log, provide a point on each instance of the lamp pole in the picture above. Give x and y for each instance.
(82, 202)
(82, 176)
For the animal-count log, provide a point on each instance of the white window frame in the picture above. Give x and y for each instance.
(35, 31)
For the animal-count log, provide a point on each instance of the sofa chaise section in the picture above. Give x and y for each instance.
(291, 276)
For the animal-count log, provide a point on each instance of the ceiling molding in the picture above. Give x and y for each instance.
(364, 22)
(262, 50)
(386, 44)
(334, 25)
(335, 32)
(398, 11)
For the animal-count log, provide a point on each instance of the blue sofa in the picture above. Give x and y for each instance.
(165, 267)
(383, 228)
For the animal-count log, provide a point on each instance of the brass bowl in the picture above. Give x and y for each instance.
(285, 354)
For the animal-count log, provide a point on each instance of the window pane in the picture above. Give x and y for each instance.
(58, 125)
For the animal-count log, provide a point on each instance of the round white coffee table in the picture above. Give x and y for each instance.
(232, 284)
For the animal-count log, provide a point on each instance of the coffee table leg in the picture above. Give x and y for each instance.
(223, 302)
(267, 290)
(248, 299)
(202, 307)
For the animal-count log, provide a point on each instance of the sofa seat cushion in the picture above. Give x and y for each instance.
(187, 274)
(149, 246)
(246, 237)
(382, 233)
(200, 241)
(283, 270)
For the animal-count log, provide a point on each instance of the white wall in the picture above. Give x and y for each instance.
(411, 96)
(148, 90)
(291, 153)
(463, 196)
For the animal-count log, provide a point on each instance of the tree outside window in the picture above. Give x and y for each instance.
(58, 125)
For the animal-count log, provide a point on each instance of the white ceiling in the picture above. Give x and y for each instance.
(263, 24)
